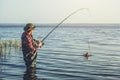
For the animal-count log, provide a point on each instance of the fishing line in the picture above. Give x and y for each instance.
(88, 46)
(63, 21)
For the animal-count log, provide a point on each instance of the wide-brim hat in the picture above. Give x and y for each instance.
(29, 27)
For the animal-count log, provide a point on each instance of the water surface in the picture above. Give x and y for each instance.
(61, 56)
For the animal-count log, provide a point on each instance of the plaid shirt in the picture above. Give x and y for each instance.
(27, 43)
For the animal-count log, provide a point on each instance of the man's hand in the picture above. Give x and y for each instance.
(40, 44)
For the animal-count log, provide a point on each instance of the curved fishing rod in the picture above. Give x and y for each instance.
(63, 21)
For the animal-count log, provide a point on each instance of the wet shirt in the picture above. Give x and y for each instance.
(27, 43)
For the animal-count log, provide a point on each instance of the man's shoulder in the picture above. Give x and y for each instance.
(24, 34)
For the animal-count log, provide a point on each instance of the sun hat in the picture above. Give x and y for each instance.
(29, 27)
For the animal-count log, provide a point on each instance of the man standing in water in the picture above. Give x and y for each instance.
(29, 46)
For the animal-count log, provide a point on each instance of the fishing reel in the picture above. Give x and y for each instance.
(36, 43)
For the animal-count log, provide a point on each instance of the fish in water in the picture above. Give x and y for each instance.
(86, 55)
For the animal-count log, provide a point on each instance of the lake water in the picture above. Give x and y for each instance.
(61, 58)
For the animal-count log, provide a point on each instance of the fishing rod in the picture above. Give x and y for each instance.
(63, 21)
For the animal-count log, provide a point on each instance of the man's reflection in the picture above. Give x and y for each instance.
(30, 74)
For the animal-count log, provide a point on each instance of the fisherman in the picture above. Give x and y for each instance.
(29, 46)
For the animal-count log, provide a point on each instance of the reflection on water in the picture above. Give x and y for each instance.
(61, 58)
(5, 52)
(30, 74)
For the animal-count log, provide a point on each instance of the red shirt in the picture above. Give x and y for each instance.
(27, 43)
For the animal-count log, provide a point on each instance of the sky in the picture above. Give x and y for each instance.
(54, 11)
